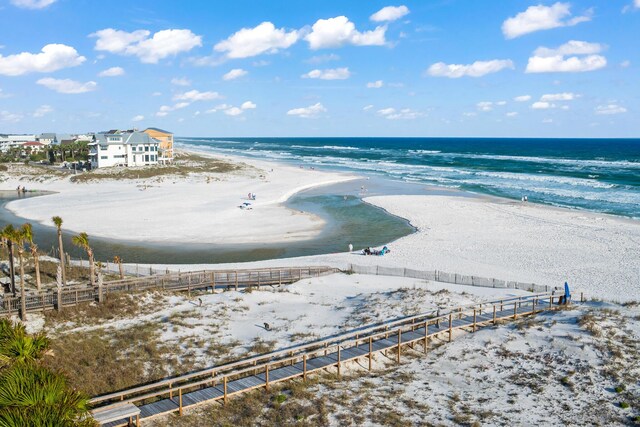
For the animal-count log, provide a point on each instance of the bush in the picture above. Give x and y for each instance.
(624, 405)
(620, 388)
(280, 398)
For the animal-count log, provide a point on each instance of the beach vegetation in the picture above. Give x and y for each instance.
(183, 165)
(31, 394)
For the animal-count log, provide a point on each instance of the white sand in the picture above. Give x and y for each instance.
(182, 210)
(495, 238)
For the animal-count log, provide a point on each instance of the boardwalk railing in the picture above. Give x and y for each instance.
(444, 277)
(221, 382)
(183, 281)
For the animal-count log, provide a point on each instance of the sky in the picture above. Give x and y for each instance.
(503, 68)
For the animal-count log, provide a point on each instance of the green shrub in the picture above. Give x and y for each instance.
(624, 405)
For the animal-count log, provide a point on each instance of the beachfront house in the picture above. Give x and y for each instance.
(116, 148)
(47, 138)
(166, 143)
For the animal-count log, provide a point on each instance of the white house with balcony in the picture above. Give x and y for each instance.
(123, 149)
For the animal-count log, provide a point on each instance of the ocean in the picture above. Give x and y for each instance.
(601, 175)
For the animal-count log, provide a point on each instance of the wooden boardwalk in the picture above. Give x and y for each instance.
(221, 382)
(213, 280)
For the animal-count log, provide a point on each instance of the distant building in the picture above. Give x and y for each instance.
(13, 141)
(166, 143)
(115, 148)
(33, 147)
(47, 138)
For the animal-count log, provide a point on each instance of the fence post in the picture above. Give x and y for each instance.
(370, 351)
(399, 343)
(426, 336)
(304, 367)
(266, 377)
(494, 315)
(338, 362)
(474, 320)
(236, 279)
(515, 310)
(180, 401)
(224, 380)
(450, 326)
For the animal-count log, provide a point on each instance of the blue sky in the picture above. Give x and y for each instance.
(322, 68)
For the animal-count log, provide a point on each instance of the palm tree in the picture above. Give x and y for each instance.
(7, 234)
(30, 393)
(18, 346)
(82, 241)
(118, 261)
(20, 237)
(28, 229)
(58, 223)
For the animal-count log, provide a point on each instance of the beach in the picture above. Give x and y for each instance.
(477, 236)
(193, 209)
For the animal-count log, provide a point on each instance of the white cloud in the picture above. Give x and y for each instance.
(626, 63)
(329, 74)
(403, 114)
(546, 60)
(318, 59)
(161, 113)
(194, 95)
(339, 31)
(43, 110)
(7, 116)
(181, 81)
(540, 17)
(112, 72)
(52, 57)
(542, 105)
(558, 64)
(234, 74)
(610, 109)
(67, 85)
(233, 111)
(367, 107)
(375, 85)
(148, 49)
(32, 4)
(522, 98)
(511, 114)
(248, 105)
(264, 38)
(572, 47)
(485, 106)
(308, 112)
(156, 94)
(501, 103)
(636, 3)
(137, 118)
(390, 13)
(470, 114)
(565, 96)
(477, 69)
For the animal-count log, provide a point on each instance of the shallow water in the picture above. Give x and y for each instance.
(348, 220)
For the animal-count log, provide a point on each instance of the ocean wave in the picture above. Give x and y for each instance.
(550, 160)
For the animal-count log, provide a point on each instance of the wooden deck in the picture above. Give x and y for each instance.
(221, 382)
(213, 280)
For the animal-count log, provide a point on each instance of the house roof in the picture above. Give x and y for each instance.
(127, 138)
(32, 144)
(159, 130)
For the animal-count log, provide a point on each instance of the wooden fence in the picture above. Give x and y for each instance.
(218, 383)
(183, 281)
(444, 277)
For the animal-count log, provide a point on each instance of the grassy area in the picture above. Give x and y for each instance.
(183, 165)
(31, 172)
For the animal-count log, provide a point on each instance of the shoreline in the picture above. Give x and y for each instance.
(465, 233)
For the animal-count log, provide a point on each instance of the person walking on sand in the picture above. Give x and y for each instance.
(350, 247)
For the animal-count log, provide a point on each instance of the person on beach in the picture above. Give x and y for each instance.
(350, 247)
